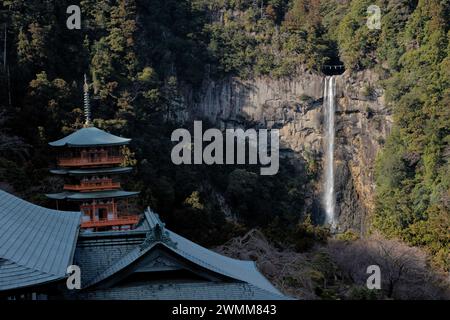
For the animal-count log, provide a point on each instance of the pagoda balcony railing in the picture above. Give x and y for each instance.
(93, 185)
(105, 160)
(118, 221)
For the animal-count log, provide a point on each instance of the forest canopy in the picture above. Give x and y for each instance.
(140, 54)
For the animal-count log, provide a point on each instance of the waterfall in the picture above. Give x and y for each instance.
(329, 107)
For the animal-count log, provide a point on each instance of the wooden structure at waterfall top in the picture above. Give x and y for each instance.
(333, 69)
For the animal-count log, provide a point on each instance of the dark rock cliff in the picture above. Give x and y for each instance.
(294, 106)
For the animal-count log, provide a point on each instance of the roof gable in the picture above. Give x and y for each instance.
(157, 258)
(237, 269)
(187, 253)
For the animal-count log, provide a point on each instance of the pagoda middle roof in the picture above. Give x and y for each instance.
(90, 136)
(92, 171)
(91, 195)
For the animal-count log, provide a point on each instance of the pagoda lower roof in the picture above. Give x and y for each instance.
(90, 137)
(77, 172)
(80, 196)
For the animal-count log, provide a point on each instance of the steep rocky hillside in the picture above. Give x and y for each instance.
(295, 107)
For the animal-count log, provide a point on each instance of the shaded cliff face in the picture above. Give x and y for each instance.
(294, 106)
(362, 124)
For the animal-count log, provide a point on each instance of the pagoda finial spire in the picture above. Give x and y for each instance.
(87, 106)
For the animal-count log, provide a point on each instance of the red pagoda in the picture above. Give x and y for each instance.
(91, 159)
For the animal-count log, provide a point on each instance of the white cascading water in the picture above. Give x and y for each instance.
(329, 107)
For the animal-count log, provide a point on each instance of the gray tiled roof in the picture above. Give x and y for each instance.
(90, 136)
(238, 269)
(118, 265)
(96, 251)
(183, 291)
(36, 244)
(244, 272)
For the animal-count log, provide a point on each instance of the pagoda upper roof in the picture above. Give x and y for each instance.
(89, 137)
(77, 196)
(36, 244)
(96, 171)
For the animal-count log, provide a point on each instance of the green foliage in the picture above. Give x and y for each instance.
(12, 174)
(268, 38)
(306, 235)
(324, 275)
(233, 48)
(194, 201)
(357, 42)
(368, 91)
(348, 235)
(303, 236)
(413, 169)
(129, 157)
(362, 293)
